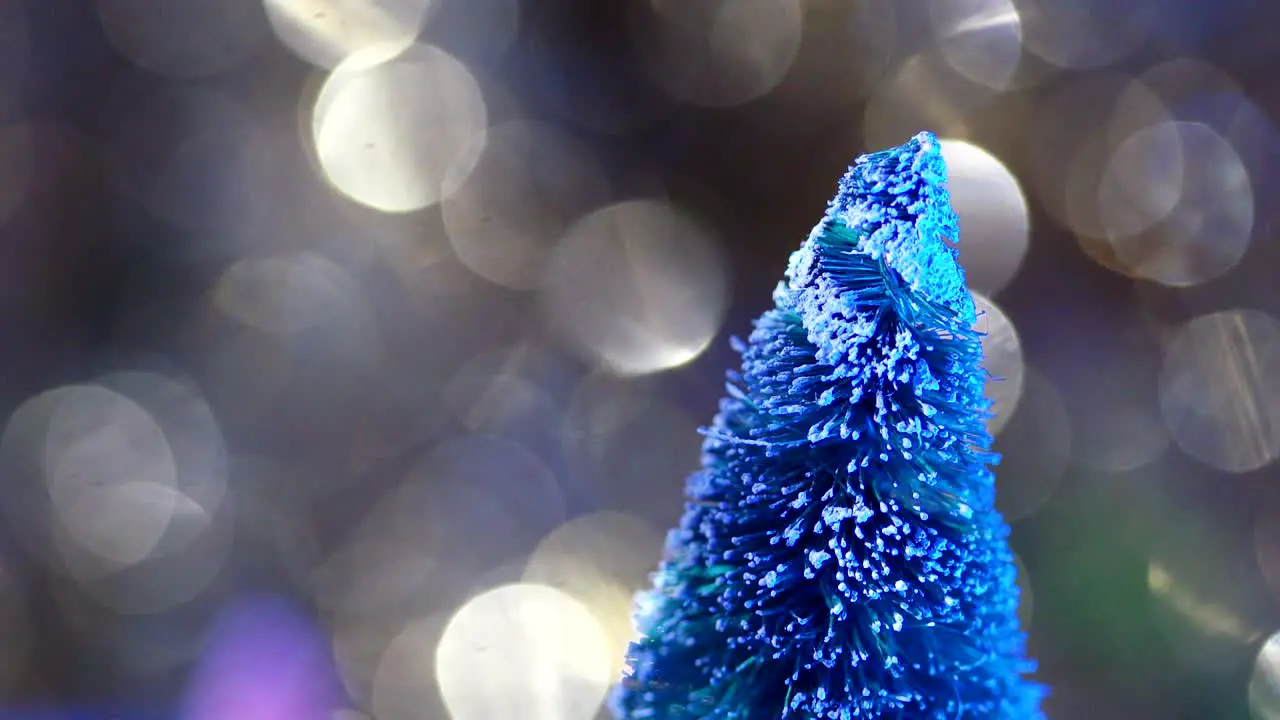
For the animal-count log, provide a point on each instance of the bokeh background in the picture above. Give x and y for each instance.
(354, 351)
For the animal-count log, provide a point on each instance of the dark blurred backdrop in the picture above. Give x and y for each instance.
(355, 350)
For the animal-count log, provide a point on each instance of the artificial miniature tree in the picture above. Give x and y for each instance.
(840, 555)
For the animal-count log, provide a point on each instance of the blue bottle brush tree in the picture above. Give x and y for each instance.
(840, 555)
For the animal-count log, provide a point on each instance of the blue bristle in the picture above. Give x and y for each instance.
(840, 555)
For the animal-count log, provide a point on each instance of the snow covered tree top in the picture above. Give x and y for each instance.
(897, 205)
(840, 555)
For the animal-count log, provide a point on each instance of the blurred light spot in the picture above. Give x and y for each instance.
(129, 504)
(1034, 449)
(601, 559)
(121, 486)
(211, 172)
(400, 642)
(981, 39)
(993, 215)
(1220, 389)
(308, 215)
(497, 401)
(1241, 122)
(358, 645)
(399, 132)
(1264, 683)
(27, 506)
(1142, 179)
(167, 578)
(719, 52)
(1204, 616)
(262, 661)
(1106, 110)
(924, 91)
(370, 574)
(1135, 105)
(638, 285)
(494, 392)
(193, 436)
(1182, 79)
(1196, 91)
(326, 32)
(405, 682)
(530, 183)
(1002, 359)
(1208, 596)
(433, 284)
(1066, 160)
(1082, 34)
(315, 307)
(284, 295)
(524, 651)
(1174, 227)
(110, 474)
(183, 40)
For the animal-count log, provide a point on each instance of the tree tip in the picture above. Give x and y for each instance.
(896, 202)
